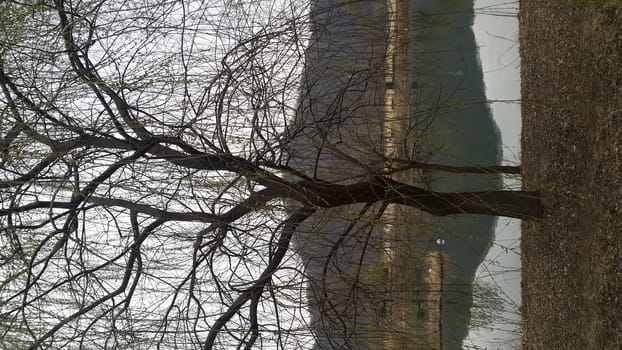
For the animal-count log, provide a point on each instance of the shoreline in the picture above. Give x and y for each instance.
(402, 312)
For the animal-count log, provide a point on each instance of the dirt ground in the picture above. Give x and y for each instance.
(571, 55)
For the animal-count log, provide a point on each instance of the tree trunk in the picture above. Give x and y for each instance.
(524, 205)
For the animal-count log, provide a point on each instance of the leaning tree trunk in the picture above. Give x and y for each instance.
(524, 205)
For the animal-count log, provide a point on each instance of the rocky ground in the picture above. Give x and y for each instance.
(571, 55)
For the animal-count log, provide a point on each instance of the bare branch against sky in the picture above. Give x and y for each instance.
(153, 178)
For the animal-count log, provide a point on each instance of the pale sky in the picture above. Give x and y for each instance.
(496, 31)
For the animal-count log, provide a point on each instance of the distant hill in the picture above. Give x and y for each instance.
(338, 136)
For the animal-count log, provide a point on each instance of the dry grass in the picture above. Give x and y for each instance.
(571, 55)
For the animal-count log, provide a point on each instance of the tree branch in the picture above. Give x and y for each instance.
(289, 227)
(492, 169)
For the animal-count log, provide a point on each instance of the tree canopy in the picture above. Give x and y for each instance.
(148, 198)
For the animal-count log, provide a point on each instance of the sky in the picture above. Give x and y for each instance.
(496, 32)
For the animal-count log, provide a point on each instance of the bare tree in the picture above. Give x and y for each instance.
(153, 176)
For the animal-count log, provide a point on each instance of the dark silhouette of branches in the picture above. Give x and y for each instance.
(149, 196)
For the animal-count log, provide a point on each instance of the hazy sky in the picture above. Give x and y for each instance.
(496, 31)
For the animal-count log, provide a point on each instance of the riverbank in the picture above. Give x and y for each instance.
(572, 151)
(433, 86)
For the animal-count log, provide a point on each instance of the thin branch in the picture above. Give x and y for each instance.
(288, 228)
(124, 283)
(491, 169)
